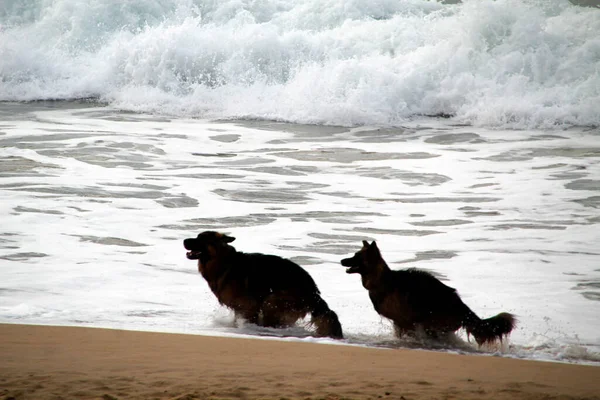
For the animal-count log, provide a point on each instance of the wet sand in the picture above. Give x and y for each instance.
(45, 362)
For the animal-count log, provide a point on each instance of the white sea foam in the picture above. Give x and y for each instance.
(504, 63)
(95, 203)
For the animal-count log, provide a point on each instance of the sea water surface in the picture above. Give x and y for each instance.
(504, 63)
(302, 128)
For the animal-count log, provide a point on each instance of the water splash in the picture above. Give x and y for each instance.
(505, 63)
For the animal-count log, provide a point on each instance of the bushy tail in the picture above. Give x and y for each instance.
(491, 329)
(325, 320)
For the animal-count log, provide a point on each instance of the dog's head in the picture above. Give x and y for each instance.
(206, 244)
(365, 261)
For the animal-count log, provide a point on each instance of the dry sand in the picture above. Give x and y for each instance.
(44, 362)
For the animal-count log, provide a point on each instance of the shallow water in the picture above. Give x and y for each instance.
(96, 203)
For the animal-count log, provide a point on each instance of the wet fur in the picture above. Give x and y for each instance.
(417, 301)
(263, 289)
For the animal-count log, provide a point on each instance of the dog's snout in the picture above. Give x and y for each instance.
(347, 262)
(188, 244)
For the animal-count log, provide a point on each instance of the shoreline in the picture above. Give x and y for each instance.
(41, 361)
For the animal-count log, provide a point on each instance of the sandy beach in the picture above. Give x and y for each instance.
(46, 362)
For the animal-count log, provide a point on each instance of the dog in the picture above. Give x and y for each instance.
(263, 289)
(417, 301)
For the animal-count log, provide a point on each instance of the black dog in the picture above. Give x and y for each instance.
(415, 299)
(263, 289)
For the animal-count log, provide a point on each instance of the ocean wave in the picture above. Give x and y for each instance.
(504, 63)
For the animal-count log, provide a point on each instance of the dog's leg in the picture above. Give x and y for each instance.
(249, 314)
(325, 320)
(271, 320)
(271, 315)
(402, 330)
(280, 310)
(434, 334)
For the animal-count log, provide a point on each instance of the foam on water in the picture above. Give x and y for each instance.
(504, 63)
(95, 203)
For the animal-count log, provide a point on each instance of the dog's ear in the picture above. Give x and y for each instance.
(365, 243)
(374, 250)
(228, 239)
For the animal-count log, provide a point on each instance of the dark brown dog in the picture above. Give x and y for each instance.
(415, 299)
(263, 289)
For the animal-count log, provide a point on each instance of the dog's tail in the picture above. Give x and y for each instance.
(491, 329)
(325, 320)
